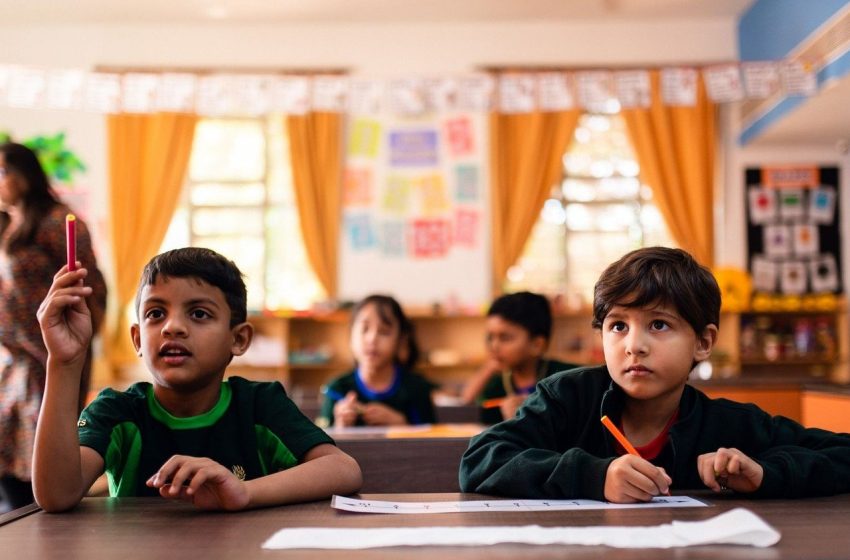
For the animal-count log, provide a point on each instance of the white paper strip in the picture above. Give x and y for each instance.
(26, 87)
(138, 92)
(329, 93)
(177, 92)
(517, 93)
(365, 97)
(555, 91)
(440, 94)
(679, 86)
(65, 89)
(406, 96)
(761, 79)
(798, 78)
(738, 526)
(102, 93)
(595, 90)
(290, 95)
(633, 89)
(723, 83)
(377, 506)
(475, 93)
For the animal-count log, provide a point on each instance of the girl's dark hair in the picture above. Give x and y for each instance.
(38, 199)
(391, 313)
(201, 264)
(659, 275)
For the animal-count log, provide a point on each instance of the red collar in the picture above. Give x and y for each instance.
(653, 449)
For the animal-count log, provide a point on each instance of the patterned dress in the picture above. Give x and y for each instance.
(25, 277)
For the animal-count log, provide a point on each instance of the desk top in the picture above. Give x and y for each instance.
(131, 528)
(431, 431)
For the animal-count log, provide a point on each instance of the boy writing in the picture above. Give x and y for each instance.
(658, 312)
(220, 445)
(518, 329)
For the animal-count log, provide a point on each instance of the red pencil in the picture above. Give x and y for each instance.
(71, 240)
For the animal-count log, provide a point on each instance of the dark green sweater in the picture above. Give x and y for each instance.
(556, 447)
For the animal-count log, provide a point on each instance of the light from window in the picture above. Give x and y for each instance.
(239, 201)
(599, 212)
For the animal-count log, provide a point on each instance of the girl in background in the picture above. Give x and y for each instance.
(382, 390)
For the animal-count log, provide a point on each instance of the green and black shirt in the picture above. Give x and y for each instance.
(253, 430)
(502, 385)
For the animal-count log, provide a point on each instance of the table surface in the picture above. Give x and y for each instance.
(130, 528)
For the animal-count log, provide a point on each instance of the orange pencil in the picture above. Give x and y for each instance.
(493, 403)
(618, 435)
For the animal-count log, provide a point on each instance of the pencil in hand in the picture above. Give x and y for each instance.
(621, 438)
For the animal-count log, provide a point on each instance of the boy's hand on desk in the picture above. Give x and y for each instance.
(201, 481)
(377, 414)
(346, 410)
(729, 469)
(631, 479)
(64, 318)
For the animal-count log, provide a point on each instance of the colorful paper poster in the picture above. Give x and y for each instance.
(777, 241)
(393, 238)
(822, 205)
(633, 89)
(765, 275)
(555, 91)
(413, 148)
(433, 194)
(723, 83)
(792, 278)
(459, 136)
(364, 137)
(762, 205)
(798, 78)
(357, 187)
(466, 181)
(517, 93)
(466, 228)
(761, 79)
(430, 238)
(791, 204)
(679, 86)
(396, 197)
(806, 240)
(361, 235)
(824, 274)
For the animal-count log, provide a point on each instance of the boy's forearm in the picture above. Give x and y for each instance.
(57, 472)
(313, 480)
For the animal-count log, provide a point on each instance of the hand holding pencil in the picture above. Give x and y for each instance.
(631, 478)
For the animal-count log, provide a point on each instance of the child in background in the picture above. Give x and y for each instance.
(518, 329)
(382, 390)
(189, 436)
(658, 312)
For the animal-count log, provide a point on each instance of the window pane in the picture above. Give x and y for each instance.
(233, 221)
(228, 150)
(218, 194)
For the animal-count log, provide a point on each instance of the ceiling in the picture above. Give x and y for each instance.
(282, 11)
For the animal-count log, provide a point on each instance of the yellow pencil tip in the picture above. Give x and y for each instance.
(70, 217)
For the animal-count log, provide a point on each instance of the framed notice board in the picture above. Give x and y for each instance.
(793, 234)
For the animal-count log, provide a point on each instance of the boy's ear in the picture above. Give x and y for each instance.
(705, 342)
(135, 334)
(243, 334)
(538, 345)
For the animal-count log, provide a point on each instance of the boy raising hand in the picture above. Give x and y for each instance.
(657, 311)
(189, 435)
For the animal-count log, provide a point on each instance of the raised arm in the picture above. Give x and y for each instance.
(474, 385)
(62, 470)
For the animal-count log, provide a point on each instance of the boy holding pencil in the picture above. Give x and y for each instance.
(518, 329)
(189, 435)
(658, 311)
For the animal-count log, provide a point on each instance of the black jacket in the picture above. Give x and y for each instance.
(556, 447)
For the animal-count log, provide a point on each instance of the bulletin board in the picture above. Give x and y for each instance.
(415, 202)
(793, 229)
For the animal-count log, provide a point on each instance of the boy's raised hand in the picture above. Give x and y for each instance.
(632, 479)
(202, 482)
(64, 317)
(730, 469)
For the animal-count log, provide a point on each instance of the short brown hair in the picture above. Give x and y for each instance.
(659, 275)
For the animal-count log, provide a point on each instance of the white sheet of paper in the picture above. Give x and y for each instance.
(377, 506)
(738, 526)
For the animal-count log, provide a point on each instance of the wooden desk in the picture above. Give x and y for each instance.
(407, 459)
(144, 528)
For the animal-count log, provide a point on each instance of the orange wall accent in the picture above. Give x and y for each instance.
(830, 412)
(785, 402)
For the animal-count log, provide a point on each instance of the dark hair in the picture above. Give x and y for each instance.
(38, 198)
(529, 310)
(391, 312)
(201, 264)
(659, 275)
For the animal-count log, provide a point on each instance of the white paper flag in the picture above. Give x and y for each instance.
(555, 91)
(138, 92)
(799, 78)
(723, 83)
(679, 86)
(475, 93)
(102, 93)
(290, 95)
(595, 90)
(26, 87)
(761, 79)
(517, 93)
(329, 93)
(65, 89)
(176, 93)
(633, 89)
(440, 94)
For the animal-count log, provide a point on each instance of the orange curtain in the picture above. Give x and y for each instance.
(675, 148)
(526, 152)
(148, 158)
(315, 148)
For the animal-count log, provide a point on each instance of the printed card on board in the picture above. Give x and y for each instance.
(413, 148)
(364, 138)
(777, 241)
(793, 278)
(466, 177)
(393, 238)
(466, 228)
(396, 197)
(762, 205)
(822, 205)
(433, 196)
(357, 187)
(824, 274)
(361, 235)
(791, 204)
(765, 275)
(806, 240)
(459, 135)
(430, 238)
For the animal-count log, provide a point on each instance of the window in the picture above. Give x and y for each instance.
(239, 201)
(599, 212)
